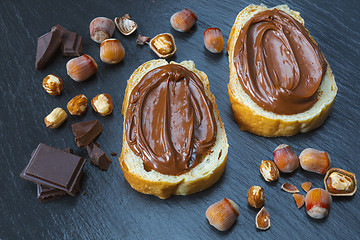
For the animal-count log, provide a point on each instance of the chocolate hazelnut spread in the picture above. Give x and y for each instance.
(279, 66)
(169, 121)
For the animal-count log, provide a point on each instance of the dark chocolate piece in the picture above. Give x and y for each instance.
(98, 156)
(86, 132)
(71, 44)
(47, 45)
(54, 168)
(46, 193)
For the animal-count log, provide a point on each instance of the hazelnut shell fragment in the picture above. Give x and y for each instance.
(299, 200)
(163, 45)
(306, 186)
(222, 214)
(262, 219)
(125, 24)
(339, 182)
(285, 158)
(287, 187)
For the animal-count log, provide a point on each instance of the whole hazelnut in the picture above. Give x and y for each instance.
(318, 203)
(102, 104)
(222, 214)
(77, 105)
(285, 158)
(111, 51)
(52, 84)
(256, 196)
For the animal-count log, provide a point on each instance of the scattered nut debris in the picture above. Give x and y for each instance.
(299, 200)
(262, 219)
(287, 187)
(306, 186)
(141, 40)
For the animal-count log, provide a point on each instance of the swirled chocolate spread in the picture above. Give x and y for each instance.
(169, 121)
(279, 66)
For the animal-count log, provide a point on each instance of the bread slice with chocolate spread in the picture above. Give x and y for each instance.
(254, 110)
(143, 142)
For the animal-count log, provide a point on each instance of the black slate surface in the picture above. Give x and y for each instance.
(110, 209)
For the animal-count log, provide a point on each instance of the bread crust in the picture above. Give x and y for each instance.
(198, 178)
(251, 117)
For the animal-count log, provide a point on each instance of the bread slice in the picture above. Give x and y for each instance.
(250, 116)
(199, 177)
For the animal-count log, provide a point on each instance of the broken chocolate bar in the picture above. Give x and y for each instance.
(46, 193)
(86, 132)
(54, 168)
(71, 44)
(98, 156)
(47, 45)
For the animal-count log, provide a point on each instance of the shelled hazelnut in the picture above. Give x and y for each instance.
(256, 196)
(163, 45)
(269, 171)
(52, 84)
(55, 118)
(77, 105)
(102, 104)
(339, 182)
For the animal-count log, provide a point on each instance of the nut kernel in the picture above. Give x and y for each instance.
(77, 105)
(52, 84)
(55, 118)
(163, 45)
(102, 103)
(269, 171)
(256, 196)
(339, 182)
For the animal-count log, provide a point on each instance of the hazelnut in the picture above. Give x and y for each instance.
(318, 203)
(183, 20)
(213, 40)
(55, 118)
(262, 219)
(285, 158)
(163, 45)
(339, 182)
(256, 196)
(81, 68)
(101, 28)
(222, 214)
(287, 187)
(77, 105)
(269, 171)
(314, 160)
(52, 84)
(111, 51)
(103, 104)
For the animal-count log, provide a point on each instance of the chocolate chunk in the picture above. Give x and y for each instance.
(98, 156)
(47, 45)
(71, 44)
(86, 132)
(54, 168)
(46, 193)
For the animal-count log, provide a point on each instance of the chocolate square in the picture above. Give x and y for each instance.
(98, 156)
(86, 132)
(47, 45)
(46, 193)
(54, 168)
